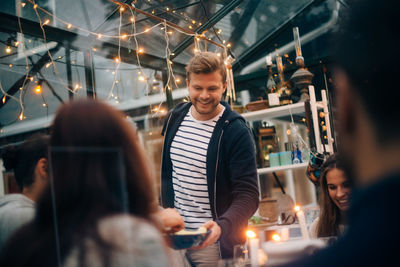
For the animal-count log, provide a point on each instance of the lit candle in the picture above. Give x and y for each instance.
(302, 222)
(254, 251)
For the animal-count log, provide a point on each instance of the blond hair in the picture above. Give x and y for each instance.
(206, 62)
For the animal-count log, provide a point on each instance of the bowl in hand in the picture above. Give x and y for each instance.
(187, 239)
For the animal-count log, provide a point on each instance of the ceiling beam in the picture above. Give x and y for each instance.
(83, 43)
(248, 55)
(210, 23)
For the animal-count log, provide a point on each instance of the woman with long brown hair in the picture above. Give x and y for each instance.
(334, 199)
(96, 211)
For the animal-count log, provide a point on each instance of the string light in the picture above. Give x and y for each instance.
(8, 49)
(38, 89)
(16, 43)
(21, 116)
(99, 36)
(4, 99)
(10, 65)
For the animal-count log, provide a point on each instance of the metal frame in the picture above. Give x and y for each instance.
(265, 41)
(211, 22)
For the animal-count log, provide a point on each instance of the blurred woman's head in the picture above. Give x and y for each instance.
(335, 193)
(97, 165)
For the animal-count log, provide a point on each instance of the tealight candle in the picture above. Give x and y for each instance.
(254, 245)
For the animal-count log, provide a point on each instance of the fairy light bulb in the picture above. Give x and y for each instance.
(21, 116)
(23, 4)
(46, 22)
(140, 50)
(69, 26)
(48, 65)
(8, 49)
(117, 59)
(4, 99)
(123, 36)
(99, 36)
(38, 89)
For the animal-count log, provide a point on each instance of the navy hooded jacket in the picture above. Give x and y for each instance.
(231, 174)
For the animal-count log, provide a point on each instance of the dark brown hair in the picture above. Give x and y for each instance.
(330, 214)
(97, 168)
(206, 62)
(22, 159)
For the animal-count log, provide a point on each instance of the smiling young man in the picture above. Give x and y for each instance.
(209, 169)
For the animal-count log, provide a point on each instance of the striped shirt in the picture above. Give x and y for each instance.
(189, 177)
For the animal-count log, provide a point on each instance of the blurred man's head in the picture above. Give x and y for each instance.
(367, 54)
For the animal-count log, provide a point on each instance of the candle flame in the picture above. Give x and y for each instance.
(250, 234)
(276, 237)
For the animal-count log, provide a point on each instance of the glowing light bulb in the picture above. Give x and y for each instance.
(4, 99)
(38, 89)
(121, 9)
(21, 116)
(99, 36)
(46, 22)
(10, 65)
(123, 36)
(296, 208)
(48, 65)
(34, 6)
(44, 105)
(178, 81)
(8, 49)
(23, 4)
(16, 43)
(140, 50)
(132, 19)
(69, 26)
(141, 78)
(117, 59)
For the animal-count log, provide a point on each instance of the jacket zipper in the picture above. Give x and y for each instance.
(216, 170)
(162, 154)
(215, 183)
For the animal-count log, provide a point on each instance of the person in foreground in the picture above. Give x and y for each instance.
(334, 199)
(97, 209)
(209, 169)
(367, 57)
(29, 164)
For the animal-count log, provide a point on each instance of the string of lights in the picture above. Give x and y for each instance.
(166, 26)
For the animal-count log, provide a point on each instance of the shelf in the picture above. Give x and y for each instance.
(282, 168)
(274, 112)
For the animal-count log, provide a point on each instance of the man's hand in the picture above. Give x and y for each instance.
(171, 220)
(213, 236)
